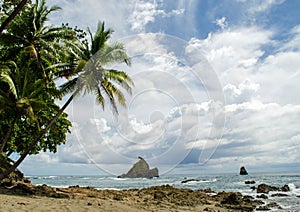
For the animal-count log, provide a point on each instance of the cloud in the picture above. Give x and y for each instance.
(146, 12)
(244, 92)
(260, 5)
(221, 22)
(173, 108)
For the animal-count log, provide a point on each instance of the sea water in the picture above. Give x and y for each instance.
(217, 182)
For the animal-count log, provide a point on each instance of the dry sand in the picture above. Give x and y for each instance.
(12, 203)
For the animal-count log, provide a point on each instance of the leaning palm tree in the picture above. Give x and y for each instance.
(91, 76)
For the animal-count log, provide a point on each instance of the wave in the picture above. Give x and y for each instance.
(118, 179)
(294, 188)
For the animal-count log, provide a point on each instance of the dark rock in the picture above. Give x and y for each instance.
(274, 205)
(21, 188)
(232, 199)
(189, 180)
(206, 190)
(279, 195)
(262, 196)
(285, 188)
(243, 171)
(263, 208)
(253, 188)
(250, 182)
(264, 188)
(15, 176)
(140, 170)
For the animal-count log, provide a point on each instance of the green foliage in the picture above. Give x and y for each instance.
(34, 55)
(92, 77)
(31, 51)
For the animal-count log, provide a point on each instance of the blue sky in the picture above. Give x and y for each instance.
(216, 87)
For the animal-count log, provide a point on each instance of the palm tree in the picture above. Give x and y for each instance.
(91, 76)
(12, 15)
(46, 44)
(19, 96)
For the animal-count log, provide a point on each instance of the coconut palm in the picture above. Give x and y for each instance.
(91, 76)
(12, 15)
(30, 35)
(19, 96)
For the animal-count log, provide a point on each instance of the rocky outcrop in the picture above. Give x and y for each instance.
(140, 170)
(21, 188)
(189, 180)
(249, 182)
(264, 188)
(13, 177)
(243, 171)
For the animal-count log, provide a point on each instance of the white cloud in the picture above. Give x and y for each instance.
(264, 5)
(294, 43)
(221, 22)
(260, 6)
(241, 93)
(146, 12)
(171, 110)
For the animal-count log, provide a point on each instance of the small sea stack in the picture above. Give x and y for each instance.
(243, 171)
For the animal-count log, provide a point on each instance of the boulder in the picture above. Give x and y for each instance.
(249, 182)
(264, 188)
(262, 196)
(189, 180)
(243, 171)
(279, 195)
(140, 170)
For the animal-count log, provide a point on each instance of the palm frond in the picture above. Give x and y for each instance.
(121, 78)
(6, 78)
(69, 86)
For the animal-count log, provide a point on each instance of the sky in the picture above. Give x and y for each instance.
(216, 88)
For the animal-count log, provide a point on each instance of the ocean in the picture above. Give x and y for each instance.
(217, 182)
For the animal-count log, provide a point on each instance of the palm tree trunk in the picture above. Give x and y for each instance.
(8, 134)
(13, 15)
(30, 147)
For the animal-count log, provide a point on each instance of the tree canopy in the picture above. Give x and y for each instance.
(33, 56)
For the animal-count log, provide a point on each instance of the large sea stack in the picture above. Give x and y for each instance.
(140, 170)
(243, 171)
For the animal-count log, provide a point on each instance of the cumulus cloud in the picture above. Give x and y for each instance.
(146, 12)
(244, 92)
(175, 103)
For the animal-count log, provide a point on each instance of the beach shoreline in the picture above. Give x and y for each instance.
(28, 197)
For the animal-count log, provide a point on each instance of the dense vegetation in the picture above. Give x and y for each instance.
(34, 57)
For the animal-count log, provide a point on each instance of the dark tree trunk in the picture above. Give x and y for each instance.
(8, 134)
(30, 147)
(13, 15)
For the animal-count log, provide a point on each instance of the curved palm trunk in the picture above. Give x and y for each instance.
(29, 148)
(8, 134)
(13, 15)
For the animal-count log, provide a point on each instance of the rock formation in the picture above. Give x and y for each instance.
(140, 170)
(189, 180)
(243, 171)
(264, 188)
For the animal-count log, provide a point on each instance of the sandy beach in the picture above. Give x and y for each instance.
(27, 197)
(11, 203)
